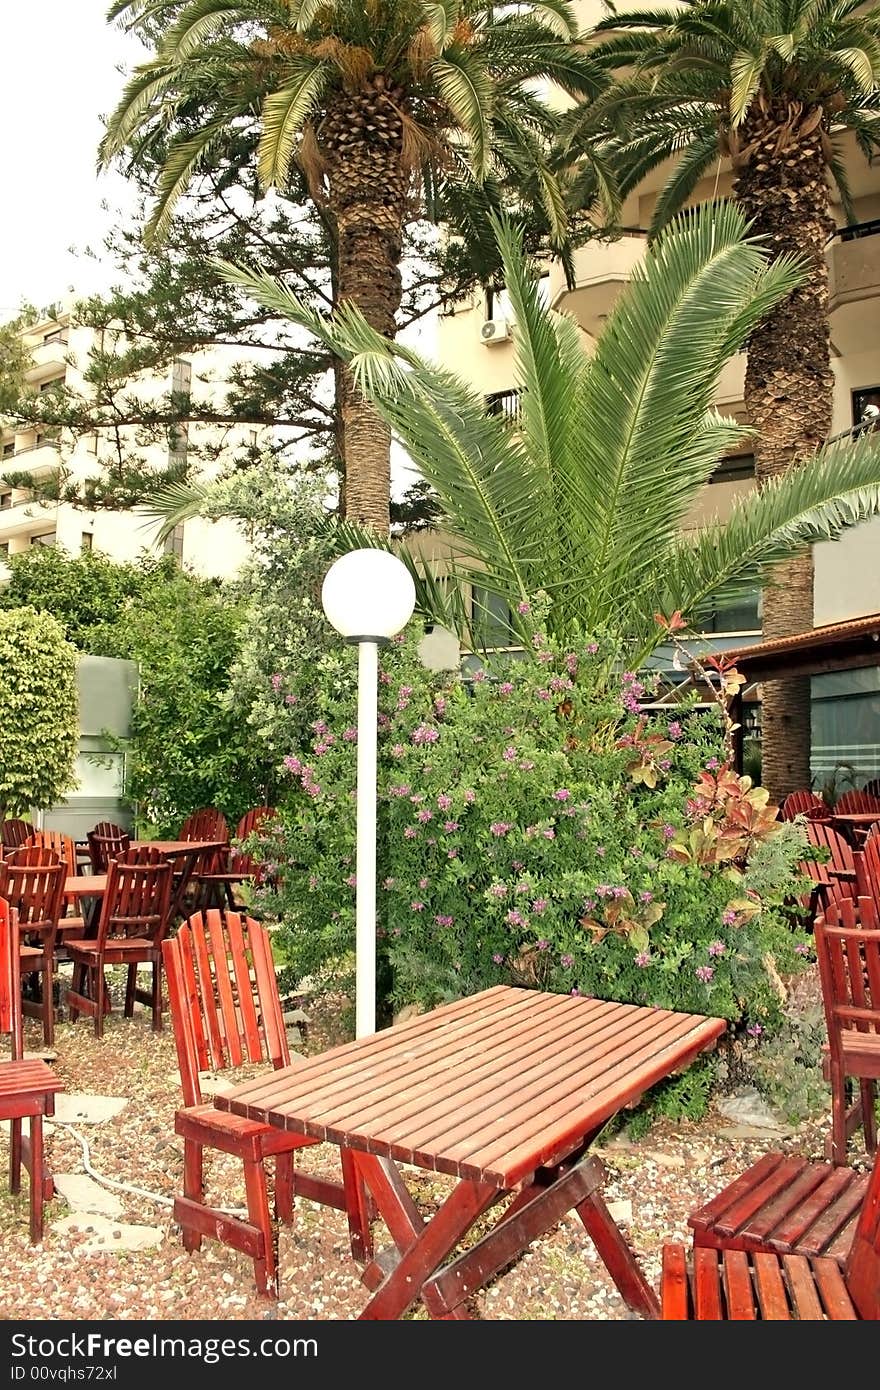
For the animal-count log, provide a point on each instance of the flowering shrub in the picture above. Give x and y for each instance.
(537, 827)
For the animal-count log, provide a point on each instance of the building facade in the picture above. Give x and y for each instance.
(59, 351)
(476, 338)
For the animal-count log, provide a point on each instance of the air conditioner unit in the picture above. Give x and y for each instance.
(495, 331)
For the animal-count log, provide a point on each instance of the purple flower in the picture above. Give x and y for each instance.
(728, 917)
(425, 734)
(290, 699)
(350, 734)
(515, 919)
(352, 880)
(571, 663)
(417, 906)
(470, 796)
(669, 832)
(450, 825)
(542, 945)
(704, 973)
(716, 948)
(574, 990)
(313, 881)
(398, 750)
(802, 950)
(319, 727)
(523, 607)
(403, 790)
(600, 850)
(452, 854)
(500, 827)
(292, 764)
(410, 832)
(592, 648)
(498, 890)
(505, 688)
(444, 801)
(646, 896)
(712, 764)
(440, 704)
(509, 755)
(498, 959)
(642, 959)
(566, 961)
(479, 677)
(276, 682)
(540, 905)
(754, 1030)
(444, 921)
(563, 794)
(675, 729)
(424, 816)
(389, 883)
(543, 694)
(516, 866)
(526, 765)
(549, 833)
(423, 883)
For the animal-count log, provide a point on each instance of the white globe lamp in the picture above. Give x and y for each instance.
(368, 596)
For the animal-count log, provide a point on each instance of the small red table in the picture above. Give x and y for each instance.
(186, 854)
(505, 1091)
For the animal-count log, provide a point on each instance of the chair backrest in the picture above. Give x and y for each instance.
(105, 842)
(205, 824)
(872, 787)
(829, 888)
(222, 996)
(818, 833)
(803, 803)
(863, 1261)
(10, 983)
(14, 832)
(137, 898)
(32, 881)
(867, 862)
(857, 803)
(62, 844)
(240, 860)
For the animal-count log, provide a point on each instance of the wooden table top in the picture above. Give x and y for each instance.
(856, 817)
(85, 885)
(177, 847)
(487, 1088)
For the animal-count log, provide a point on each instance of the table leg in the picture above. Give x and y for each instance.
(617, 1255)
(425, 1249)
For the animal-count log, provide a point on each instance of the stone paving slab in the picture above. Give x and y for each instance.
(104, 1234)
(74, 1108)
(83, 1194)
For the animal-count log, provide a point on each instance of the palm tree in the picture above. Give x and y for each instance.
(773, 86)
(382, 104)
(584, 496)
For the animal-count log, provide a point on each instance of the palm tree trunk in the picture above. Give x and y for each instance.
(783, 190)
(360, 141)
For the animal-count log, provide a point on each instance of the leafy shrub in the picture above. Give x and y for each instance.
(39, 712)
(537, 827)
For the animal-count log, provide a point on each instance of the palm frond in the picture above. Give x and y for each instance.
(284, 113)
(467, 90)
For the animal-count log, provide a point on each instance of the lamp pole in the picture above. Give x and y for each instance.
(368, 596)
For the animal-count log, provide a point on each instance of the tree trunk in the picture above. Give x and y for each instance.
(360, 140)
(783, 190)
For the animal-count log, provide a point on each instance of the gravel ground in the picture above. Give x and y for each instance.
(663, 1177)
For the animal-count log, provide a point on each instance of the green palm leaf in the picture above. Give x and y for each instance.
(284, 113)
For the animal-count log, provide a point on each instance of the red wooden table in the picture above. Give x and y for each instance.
(854, 824)
(504, 1091)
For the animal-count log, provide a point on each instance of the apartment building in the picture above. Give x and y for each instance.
(477, 339)
(59, 350)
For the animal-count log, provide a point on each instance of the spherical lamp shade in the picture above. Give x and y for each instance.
(368, 593)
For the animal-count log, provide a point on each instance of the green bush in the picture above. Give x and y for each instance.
(39, 712)
(536, 828)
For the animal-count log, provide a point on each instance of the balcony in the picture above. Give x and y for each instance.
(26, 518)
(601, 269)
(853, 259)
(40, 458)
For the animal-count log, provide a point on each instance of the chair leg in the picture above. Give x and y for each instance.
(265, 1267)
(47, 1000)
(157, 996)
(15, 1156)
(193, 1187)
(357, 1201)
(36, 1176)
(100, 987)
(77, 986)
(869, 1115)
(130, 987)
(836, 1143)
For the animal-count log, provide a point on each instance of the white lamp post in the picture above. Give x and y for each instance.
(368, 596)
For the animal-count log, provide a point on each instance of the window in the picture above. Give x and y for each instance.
(86, 541)
(734, 469)
(55, 335)
(51, 384)
(44, 538)
(739, 615)
(174, 542)
(491, 618)
(866, 407)
(5, 501)
(9, 449)
(504, 403)
(4, 548)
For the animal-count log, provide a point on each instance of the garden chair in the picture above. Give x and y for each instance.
(27, 1087)
(32, 882)
(65, 847)
(226, 1012)
(205, 824)
(134, 917)
(867, 862)
(106, 841)
(840, 867)
(873, 787)
(235, 866)
(784, 1283)
(13, 833)
(804, 803)
(847, 937)
(857, 802)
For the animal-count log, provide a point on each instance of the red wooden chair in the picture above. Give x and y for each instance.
(804, 804)
(723, 1284)
(32, 881)
(134, 916)
(106, 841)
(847, 937)
(236, 866)
(27, 1088)
(13, 833)
(872, 787)
(867, 862)
(859, 802)
(226, 1012)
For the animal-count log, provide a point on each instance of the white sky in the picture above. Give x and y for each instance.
(59, 62)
